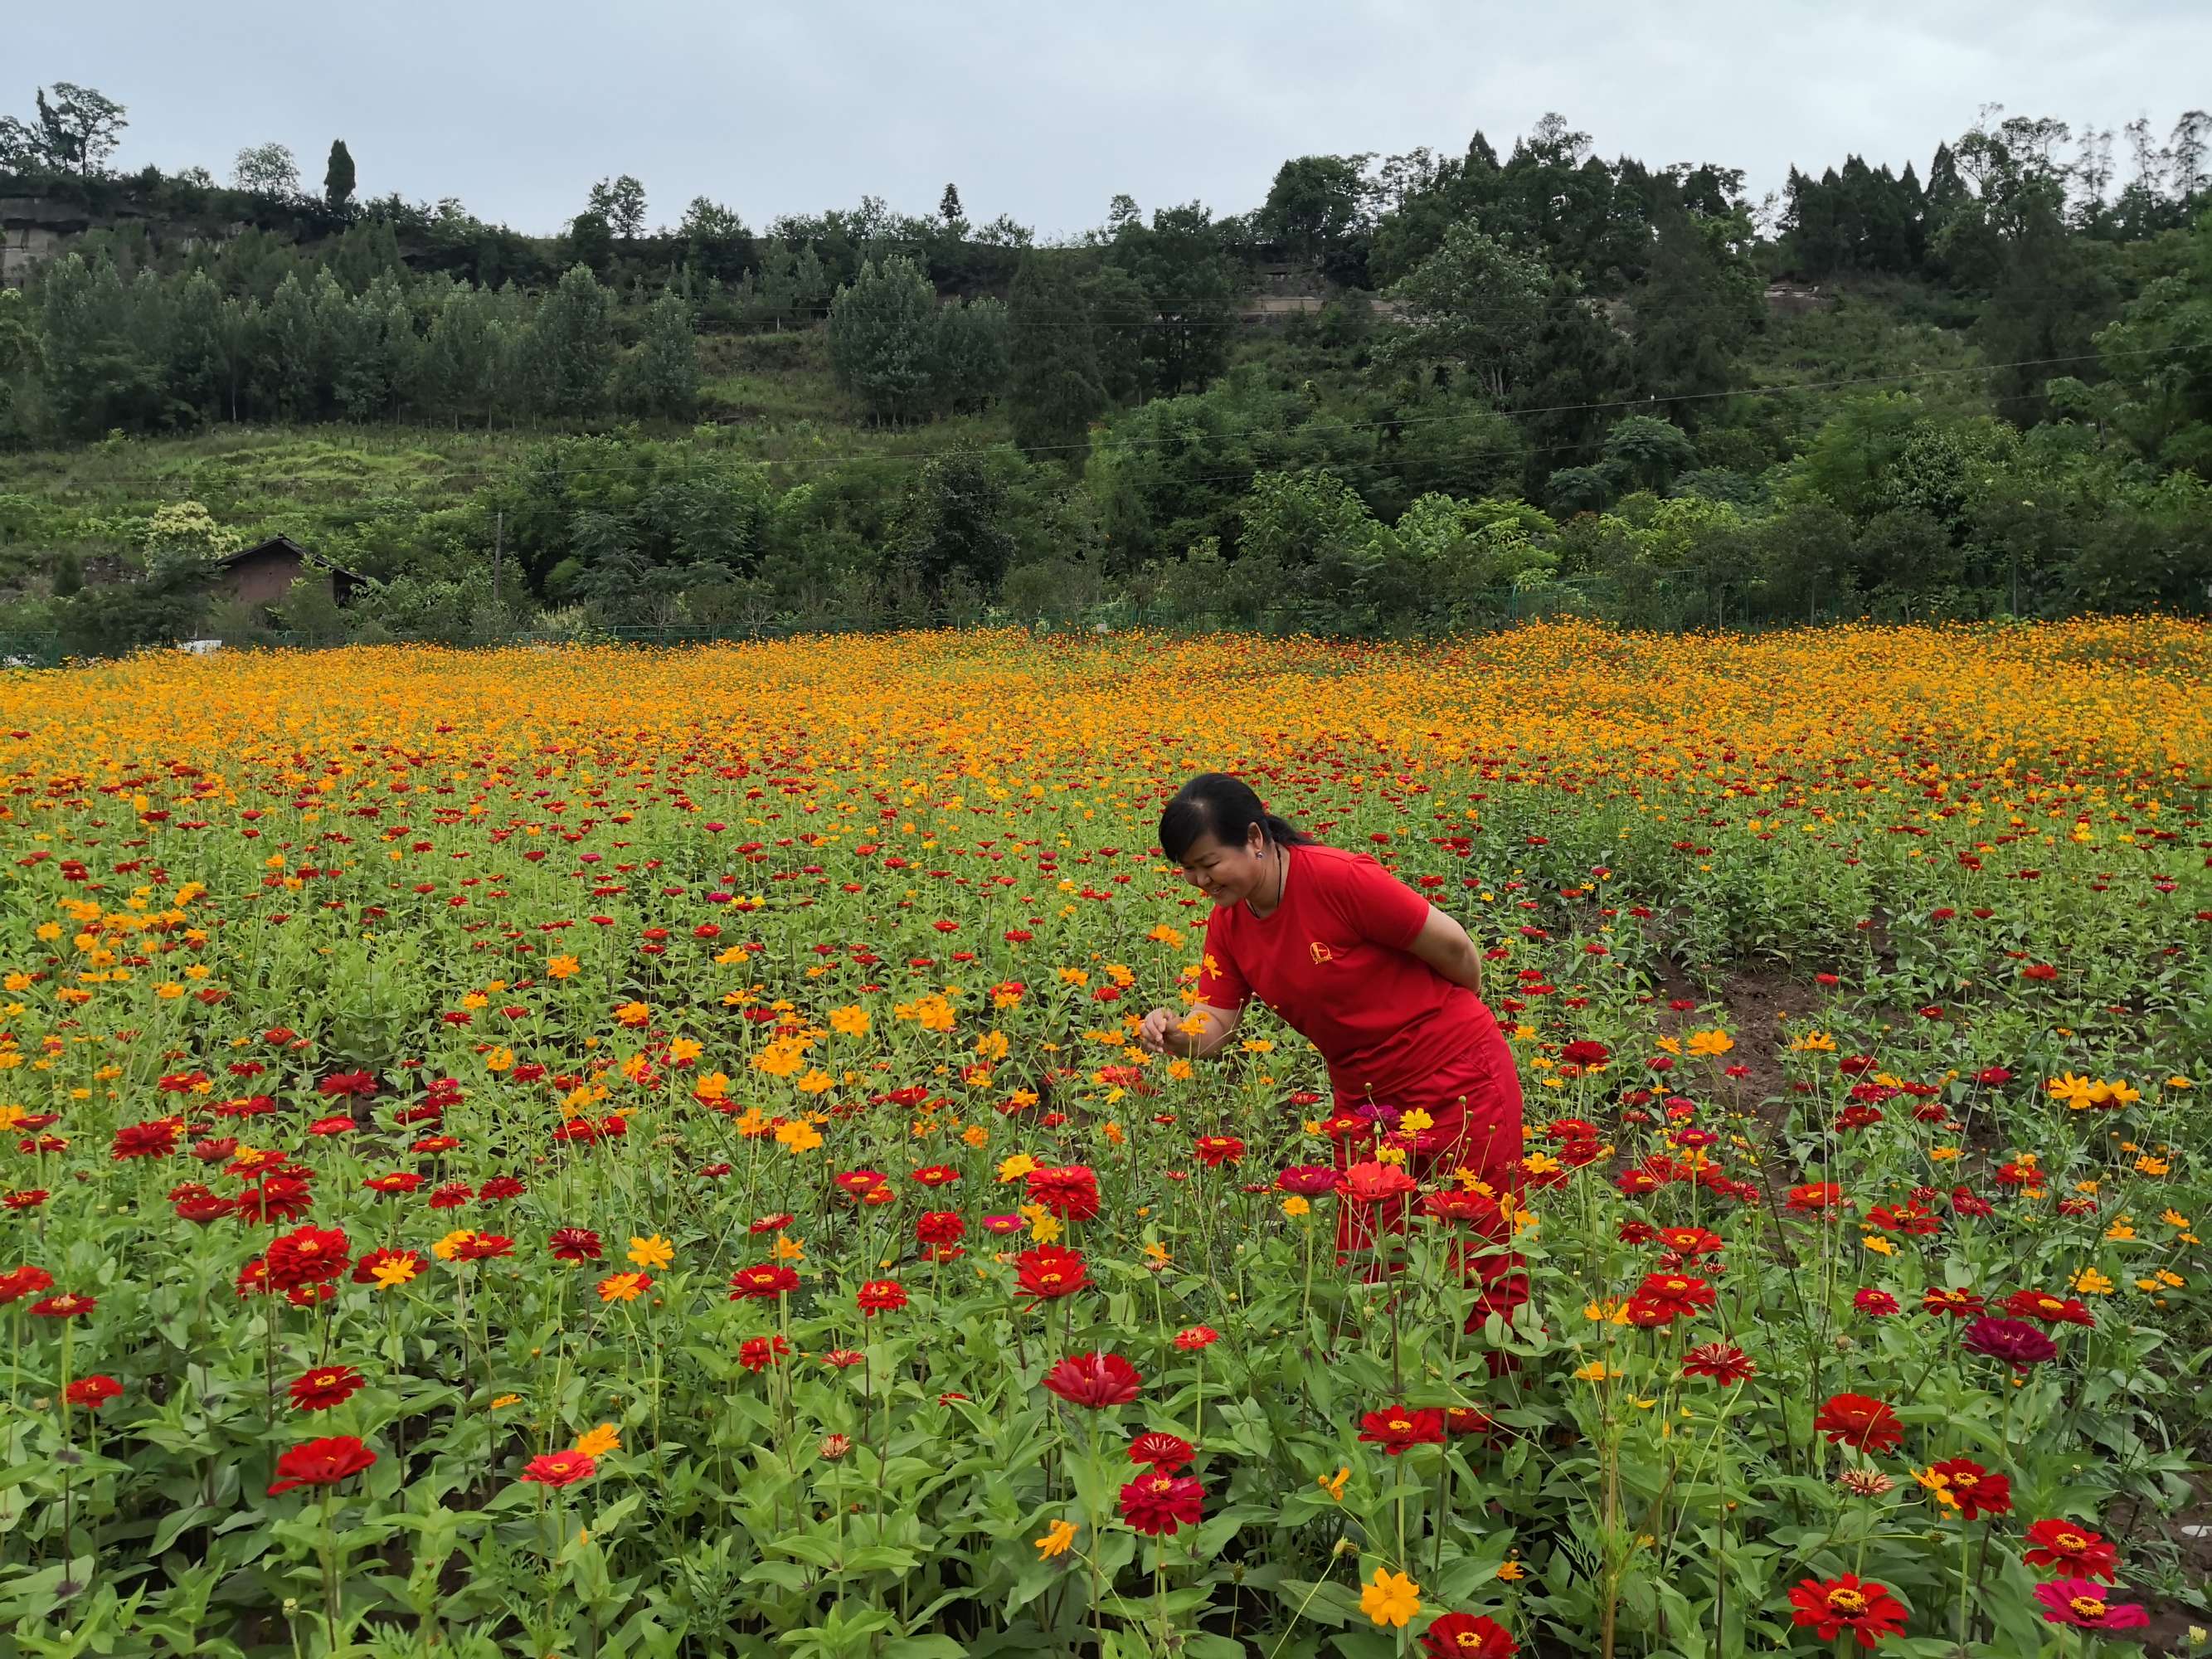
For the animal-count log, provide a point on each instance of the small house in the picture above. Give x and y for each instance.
(264, 573)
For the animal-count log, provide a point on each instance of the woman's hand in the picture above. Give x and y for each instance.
(1196, 1034)
(1155, 1030)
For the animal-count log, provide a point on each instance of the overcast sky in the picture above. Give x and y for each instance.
(1046, 110)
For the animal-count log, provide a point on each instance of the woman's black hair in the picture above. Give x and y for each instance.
(1225, 806)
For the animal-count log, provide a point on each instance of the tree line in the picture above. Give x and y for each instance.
(1540, 374)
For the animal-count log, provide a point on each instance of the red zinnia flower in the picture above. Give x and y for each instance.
(939, 1227)
(67, 1305)
(575, 1244)
(1375, 1183)
(364, 1271)
(2077, 1549)
(1308, 1180)
(1192, 1338)
(1957, 1303)
(1880, 1303)
(1816, 1195)
(1468, 1635)
(2019, 1343)
(1094, 1380)
(1070, 1193)
(1863, 1607)
(331, 1385)
(762, 1282)
(92, 1391)
(1584, 1052)
(881, 1296)
(1214, 1151)
(1724, 1361)
(307, 1256)
(1677, 1292)
(155, 1140)
(1159, 1504)
(758, 1354)
(1165, 1453)
(1860, 1420)
(560, 1469)
(1396, 1427)
(1973, 1488)
(1047, 1274)
(2048, 1309)
(321, 1463)
(23, 1282)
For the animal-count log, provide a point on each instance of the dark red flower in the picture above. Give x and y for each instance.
(1724, 1361)
(2014, 1341)
(1467, 1636)
(2048, 1309)
(1956, 1304)
(1972, 1489)
(881, 1296)
(758, 1354)
(1164, 1452)
(1158, 1505)
(1214, 1151)
(326, 1386)
(575, 1244)
(156, 1138)
(939, 1227)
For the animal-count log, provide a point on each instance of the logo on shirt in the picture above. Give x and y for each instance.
(1321, 952)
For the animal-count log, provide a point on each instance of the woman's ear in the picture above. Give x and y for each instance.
(1256, 841)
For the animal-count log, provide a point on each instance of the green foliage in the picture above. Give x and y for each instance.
(882, 337)
(568, 348)
(1055, 388)
(339, 178)
(661, 378)
(1474, 306)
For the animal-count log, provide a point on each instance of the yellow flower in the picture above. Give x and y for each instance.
(500, 1059)
(1156, 1254)
(398, 1270)
(623, 1287)
(633, 1014)
(1333, 1484)
(976, 1135)
(1510, 1571)
(2090, 1282)
(1714, 1042)
(653, 1252)
(1390, 1598)
(563, 968)
(500, 1402)
(1878, 1244)
(684, 1050)
(799, 1136)
(600, 1441)
(1596, 1372)
(850, 1021)
(1057, 1536)
(790, 1250)
(1294, 1205)
(1014, 1168)
(450, 1246)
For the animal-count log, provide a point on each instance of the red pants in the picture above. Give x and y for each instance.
(1475, 1114)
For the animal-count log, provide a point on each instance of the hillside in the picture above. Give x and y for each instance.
(1421, 394)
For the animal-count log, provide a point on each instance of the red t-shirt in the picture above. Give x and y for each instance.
(1333, 960)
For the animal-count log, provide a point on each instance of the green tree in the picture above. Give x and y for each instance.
(1184, 269)
(569, 346)
(2159, 356)
(661, 378)
(883, 336)
(267, 170)
(1054, 390)
(339, 179)
(77, 131)
(1475, 305)
(950, 525)
(95, 375)
(715, 239)
(462, 356)
(948, 205)
(621, 203)
(1696, 311)
(1318, 204)
(967, 360)
(1647, 453)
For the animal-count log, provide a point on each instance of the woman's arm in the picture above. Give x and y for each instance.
(1444, 944)
(1166, 1033)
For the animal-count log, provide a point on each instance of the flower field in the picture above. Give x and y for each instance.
(588, 1152)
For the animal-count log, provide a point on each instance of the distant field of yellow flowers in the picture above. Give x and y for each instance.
(600, 1151)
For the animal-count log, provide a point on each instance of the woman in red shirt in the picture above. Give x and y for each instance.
(1387, 987)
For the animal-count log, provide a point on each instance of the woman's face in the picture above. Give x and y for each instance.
(1229, 874)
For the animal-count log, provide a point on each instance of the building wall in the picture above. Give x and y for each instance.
(265, 578)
